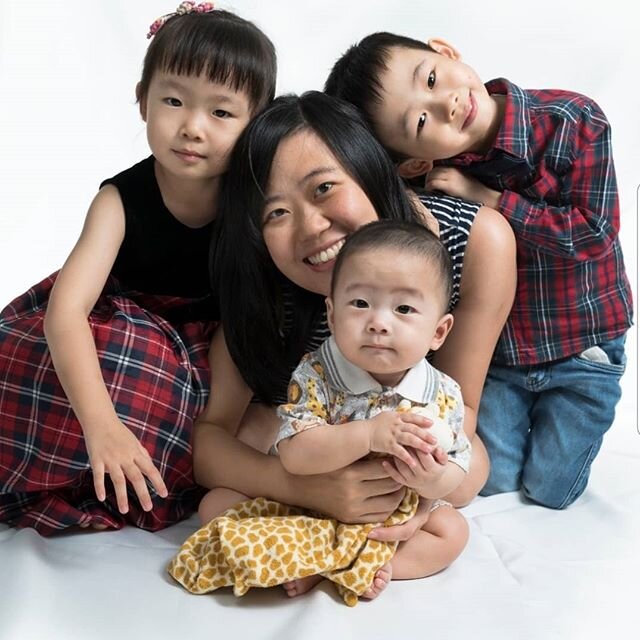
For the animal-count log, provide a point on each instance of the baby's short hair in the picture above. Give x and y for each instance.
(407, 238)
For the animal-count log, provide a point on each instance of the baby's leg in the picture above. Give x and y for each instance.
(216, 502)
(434, 547)
(431, 549)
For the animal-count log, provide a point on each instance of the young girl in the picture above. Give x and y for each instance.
(102, 368)
(306, 174)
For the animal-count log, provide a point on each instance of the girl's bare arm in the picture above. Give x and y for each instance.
(111, 446)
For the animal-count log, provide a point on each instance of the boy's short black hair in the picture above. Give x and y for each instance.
(407, 238)
(355, 76)
(228, 48)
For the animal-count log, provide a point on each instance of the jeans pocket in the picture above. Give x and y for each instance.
(607, 356)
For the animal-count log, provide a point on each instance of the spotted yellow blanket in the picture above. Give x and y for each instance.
(260, 543)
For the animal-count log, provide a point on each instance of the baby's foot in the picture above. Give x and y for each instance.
(301, 585)
(380, 582)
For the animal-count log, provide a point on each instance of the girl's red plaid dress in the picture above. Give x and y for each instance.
(157, 374)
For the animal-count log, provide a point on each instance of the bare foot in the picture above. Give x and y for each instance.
(301, 585)
(380, 582)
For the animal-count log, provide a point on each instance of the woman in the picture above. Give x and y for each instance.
(305, 174)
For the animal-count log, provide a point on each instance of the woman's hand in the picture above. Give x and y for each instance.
(401, 532)
(360, 492)
(113, 449)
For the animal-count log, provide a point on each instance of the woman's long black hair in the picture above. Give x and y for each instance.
(249, 285)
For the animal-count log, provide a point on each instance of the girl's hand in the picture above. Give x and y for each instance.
(427, 469)
(113, 449)
(360, 492)
(391, 432)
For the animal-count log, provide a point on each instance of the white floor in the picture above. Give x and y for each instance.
(527, 572)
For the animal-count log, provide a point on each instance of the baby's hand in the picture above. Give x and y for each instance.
(440, 428)
(391, 432)
(426, 470)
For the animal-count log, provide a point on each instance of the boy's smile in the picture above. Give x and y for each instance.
(434, 106)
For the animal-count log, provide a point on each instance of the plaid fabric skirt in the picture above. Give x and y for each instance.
(157, 374)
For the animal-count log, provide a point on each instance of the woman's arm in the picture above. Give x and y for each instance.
(363, 492)
(487, 290)
(112, 448)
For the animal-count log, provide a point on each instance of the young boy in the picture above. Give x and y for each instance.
(361, 392)
(543, 159)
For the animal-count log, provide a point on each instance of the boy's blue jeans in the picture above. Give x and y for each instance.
(543, 425)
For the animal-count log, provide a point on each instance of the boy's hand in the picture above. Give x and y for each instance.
(113, 449)
(455, 183)
(426, 470)
(391, 432)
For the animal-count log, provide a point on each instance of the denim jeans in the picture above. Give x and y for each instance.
(543, 425)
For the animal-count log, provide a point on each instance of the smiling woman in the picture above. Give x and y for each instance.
(307, 182)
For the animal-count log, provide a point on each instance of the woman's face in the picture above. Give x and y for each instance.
(312, 205)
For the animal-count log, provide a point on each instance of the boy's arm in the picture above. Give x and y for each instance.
(586, 227)
(581, 173)
(112, 448)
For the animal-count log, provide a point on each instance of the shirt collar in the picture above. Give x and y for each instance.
(420, 383)
(513, 135)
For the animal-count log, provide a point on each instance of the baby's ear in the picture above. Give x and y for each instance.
(329, 304)
(414, 167)
(442, 331)
(444, 48)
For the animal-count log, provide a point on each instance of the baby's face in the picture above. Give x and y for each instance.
(434, 106)
(386, 312)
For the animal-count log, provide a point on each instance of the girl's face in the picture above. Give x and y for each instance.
(193, 123)
(312, 205)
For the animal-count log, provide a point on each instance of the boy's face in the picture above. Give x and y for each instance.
(193, 123)
(386, 312)
(434, 106)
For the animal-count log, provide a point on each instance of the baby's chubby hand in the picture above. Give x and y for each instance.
(392, 432)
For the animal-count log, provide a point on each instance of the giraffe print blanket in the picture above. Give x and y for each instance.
(261, 543)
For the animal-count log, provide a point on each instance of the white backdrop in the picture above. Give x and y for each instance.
(68, 70)
(68, 119)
